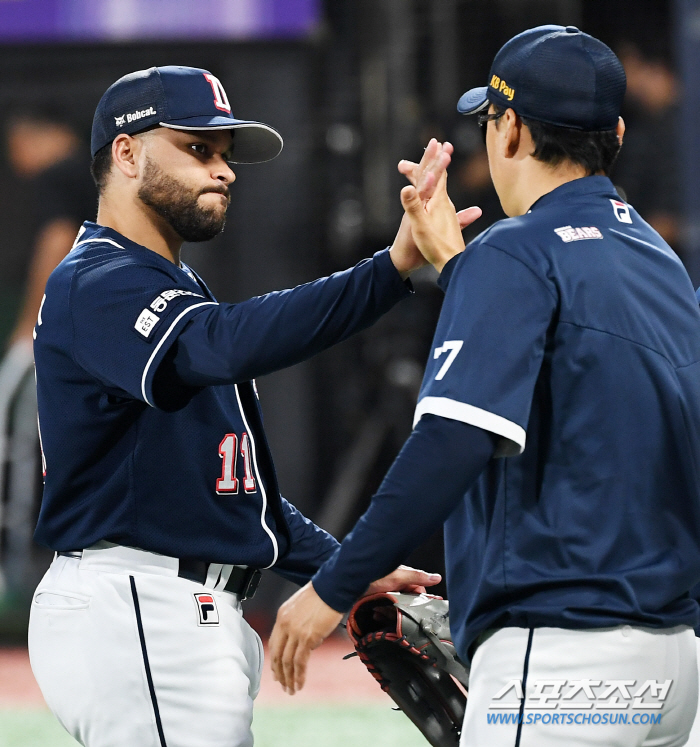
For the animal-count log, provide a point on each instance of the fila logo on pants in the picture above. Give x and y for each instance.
(206, 608)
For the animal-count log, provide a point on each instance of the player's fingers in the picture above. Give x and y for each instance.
(431, 152)
(408, 576)
(411, 202)
(288, 665)
(421, 578)
(285, 665)
(301, 661)
(467, 216)
(415, 589)
(435, 176)
(277, 643)
(409, 169)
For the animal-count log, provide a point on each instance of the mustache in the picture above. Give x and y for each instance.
(222, 190)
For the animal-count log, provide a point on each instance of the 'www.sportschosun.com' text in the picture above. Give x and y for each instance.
(574, 718)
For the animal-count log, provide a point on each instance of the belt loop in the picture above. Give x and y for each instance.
(223, 579)
(213, 575)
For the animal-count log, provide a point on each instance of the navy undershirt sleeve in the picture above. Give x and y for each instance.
(436, 466)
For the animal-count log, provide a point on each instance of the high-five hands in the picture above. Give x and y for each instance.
(425, 177)
(436, 225)
(304, 621)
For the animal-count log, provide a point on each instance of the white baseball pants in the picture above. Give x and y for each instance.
(694, 739)
(580, 688)
(127, 653)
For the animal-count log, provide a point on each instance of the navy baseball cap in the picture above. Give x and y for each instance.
(181, 98)
(554, 74)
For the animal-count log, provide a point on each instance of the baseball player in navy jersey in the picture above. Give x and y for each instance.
(161, 499)
(557, 433)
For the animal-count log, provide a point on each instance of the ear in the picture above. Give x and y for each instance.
(125, 154)
(511, 131)
(620, 130)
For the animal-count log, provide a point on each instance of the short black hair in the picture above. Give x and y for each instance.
(101, 166)
(596, 151)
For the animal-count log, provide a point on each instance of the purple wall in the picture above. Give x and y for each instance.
(120, 20)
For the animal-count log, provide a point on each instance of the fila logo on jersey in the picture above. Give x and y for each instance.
(206, 609)
(622, 211)
(146, 322)
(134, 116)
(568, 233)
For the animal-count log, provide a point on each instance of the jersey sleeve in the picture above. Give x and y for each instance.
(451, 456)
(309, 548)
(237, 342)
(125, 317)
(489, 345)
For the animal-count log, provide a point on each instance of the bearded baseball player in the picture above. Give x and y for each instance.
(161, 499)
(557, 433)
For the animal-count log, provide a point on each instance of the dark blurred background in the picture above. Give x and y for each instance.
(353, 86)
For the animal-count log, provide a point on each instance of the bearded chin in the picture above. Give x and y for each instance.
(178, 206)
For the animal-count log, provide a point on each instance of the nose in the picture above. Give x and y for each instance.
(224, 172)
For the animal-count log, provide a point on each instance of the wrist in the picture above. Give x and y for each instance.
(447, 272)
(446, 256)
(399, 263)
(327, 597)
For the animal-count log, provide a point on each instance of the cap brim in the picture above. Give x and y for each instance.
(253, 142)
(473, 101)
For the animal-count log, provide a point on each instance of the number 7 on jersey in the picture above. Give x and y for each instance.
(449, 346)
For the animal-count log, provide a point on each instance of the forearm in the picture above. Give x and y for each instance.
(237, 342)
(436, 466)
(310, 547)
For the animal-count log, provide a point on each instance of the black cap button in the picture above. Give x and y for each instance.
(572, 30)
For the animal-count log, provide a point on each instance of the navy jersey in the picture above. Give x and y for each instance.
(572, 334)
(138, 456)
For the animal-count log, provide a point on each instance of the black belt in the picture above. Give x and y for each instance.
(243, 582)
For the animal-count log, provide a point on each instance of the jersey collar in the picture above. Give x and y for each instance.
(94, 231)
(583, 187)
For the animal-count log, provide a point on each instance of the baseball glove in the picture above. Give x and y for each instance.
(404, 641)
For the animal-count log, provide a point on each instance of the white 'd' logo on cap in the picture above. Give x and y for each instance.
(119, 121)
(220, 98)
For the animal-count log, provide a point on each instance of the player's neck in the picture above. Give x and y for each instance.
(536, 179)
(140, 224)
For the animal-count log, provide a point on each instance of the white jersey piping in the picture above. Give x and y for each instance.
(513, 434)
(267, 529)
(163, 339)
(97, 241)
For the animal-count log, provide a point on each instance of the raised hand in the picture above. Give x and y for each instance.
(425, 177)
(436, 227)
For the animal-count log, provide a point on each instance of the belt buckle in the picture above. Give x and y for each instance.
(250, 585)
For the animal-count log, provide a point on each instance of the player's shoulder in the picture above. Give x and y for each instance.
(583, 210)
(103, 260)
(524, 238)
